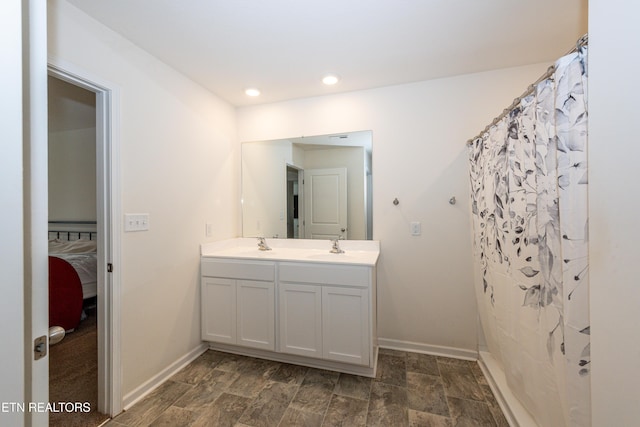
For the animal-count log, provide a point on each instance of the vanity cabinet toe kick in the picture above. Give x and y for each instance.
(312, 314)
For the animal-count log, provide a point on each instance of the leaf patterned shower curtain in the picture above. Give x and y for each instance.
(529, 209)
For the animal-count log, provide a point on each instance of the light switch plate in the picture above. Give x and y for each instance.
(416, 228)
(136, 222)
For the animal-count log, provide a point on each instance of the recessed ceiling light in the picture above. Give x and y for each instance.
(330, 79)
(252, 91)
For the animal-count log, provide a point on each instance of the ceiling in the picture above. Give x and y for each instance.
(284, 47)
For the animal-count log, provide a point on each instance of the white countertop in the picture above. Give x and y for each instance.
(357, 252)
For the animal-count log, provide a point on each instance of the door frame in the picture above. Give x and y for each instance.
(108, 227)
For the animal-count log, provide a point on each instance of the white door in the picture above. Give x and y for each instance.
(16, 353)
(255, 314)
(345, 324)
(33, 68)
(219, 310)
(300, 319)
(325, 200)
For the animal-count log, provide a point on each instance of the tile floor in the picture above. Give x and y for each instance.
(220, 389)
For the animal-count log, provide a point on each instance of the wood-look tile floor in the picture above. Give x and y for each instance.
(411, 389)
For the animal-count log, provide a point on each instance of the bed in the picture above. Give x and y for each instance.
(73, 267)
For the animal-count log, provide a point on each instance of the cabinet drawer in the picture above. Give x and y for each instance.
(248, 270)
(346, 275)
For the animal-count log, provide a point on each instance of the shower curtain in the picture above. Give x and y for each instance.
(529, 209)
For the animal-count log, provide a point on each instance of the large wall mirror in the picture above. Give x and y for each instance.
(316, 187)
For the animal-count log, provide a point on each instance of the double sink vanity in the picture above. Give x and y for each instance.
(292, 300)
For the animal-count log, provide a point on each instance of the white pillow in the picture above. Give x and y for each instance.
(80, 246)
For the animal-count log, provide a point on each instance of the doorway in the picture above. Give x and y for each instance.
(97, 218)
(295, 216)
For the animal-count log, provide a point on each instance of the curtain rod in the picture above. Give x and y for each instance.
(582, 41)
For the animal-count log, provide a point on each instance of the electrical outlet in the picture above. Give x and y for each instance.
(209, 230)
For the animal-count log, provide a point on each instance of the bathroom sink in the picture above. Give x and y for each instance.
(249, 253)
(348, 257)
(328, 256)
(295, 250)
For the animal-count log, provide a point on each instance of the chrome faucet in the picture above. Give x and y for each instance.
(335, 248)
(262, 244)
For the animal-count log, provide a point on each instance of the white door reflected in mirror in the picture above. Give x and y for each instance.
(326, 203)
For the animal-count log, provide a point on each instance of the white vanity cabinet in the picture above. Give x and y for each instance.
(346, 334)
(238, 303)
(296, 303)
(300, 315)
(324, 311)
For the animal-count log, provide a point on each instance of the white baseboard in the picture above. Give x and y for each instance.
(147, 387)
(514, 412)
(436, 350)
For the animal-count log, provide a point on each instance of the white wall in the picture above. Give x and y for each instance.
(264, 192)
(179, 163)
(72, 175)
(72, 152)
(425, 292)
(614, 203)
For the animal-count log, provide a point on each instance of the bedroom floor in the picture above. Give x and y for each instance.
(73, 374)
(411, 389)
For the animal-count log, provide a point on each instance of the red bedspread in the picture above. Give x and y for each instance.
(65, 294)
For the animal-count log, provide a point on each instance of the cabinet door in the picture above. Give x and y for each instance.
(218, 310)
(300, 319)
(255, 313)
(345, 324)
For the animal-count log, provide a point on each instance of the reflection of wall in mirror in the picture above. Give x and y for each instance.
(264, 189)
